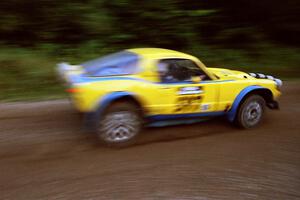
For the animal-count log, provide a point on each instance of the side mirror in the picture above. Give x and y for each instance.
(196, 79)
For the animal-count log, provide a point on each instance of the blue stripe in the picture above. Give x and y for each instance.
(175, 122)
(182, 116)
(83, 79)
(202, 82)
(118, 78)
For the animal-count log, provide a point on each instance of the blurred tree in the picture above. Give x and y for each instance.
(173, 24)
(277, 20)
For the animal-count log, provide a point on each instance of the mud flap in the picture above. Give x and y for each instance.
(274, 105)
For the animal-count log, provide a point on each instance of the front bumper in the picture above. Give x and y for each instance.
(274, 105)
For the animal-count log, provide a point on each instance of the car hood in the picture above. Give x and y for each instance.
(229, 74)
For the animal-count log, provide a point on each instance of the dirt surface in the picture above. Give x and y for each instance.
(45, 154)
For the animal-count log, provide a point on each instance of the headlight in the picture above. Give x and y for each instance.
(278, 83)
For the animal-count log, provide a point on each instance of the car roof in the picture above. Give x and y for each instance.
(159, 52)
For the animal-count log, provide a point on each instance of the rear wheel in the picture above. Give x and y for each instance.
(251, 112)
(120, 124)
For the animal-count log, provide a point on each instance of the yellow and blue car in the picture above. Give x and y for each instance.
(121, 92)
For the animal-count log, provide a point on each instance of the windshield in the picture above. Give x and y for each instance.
(120, 63)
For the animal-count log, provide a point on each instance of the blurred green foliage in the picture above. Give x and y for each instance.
(27, 75)
(239, 34)
(167, 23)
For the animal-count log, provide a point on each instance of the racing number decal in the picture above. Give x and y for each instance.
(189, 99)
(188, 103)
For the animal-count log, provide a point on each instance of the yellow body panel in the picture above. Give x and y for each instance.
(217, 94)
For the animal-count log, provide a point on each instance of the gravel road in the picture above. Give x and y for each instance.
(45, 154)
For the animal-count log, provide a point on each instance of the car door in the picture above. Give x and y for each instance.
(179, 91)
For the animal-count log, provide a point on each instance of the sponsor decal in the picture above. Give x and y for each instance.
(190, 90)
(205, 107)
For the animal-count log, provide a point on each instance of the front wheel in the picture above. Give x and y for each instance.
(251, 112)
(120, 124)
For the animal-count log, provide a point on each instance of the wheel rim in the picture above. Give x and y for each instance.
(253, 113)
(119, 126)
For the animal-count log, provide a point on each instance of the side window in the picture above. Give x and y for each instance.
(120, 63)
(122, 68)
(178, 70)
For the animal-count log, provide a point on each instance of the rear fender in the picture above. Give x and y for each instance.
(92, 117)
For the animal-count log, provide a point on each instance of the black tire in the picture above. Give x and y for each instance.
(251, 112)
(119, 124)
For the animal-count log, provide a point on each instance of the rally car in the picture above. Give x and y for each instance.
(122, 92)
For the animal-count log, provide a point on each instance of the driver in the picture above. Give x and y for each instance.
(164, 72)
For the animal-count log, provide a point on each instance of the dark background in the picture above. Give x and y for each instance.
(175, 24)
(259, 36)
